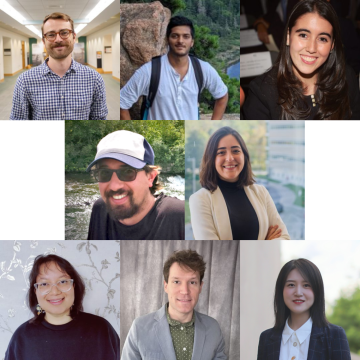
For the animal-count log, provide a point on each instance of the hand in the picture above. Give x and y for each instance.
(273, 233)
(262, 33)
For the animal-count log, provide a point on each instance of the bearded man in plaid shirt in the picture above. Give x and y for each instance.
(60, 88)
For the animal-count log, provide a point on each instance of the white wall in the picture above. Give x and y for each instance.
(7, 59)
(96, 42)
(15, 45)
(107, 58)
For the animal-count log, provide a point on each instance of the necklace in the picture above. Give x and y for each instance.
(313, 99)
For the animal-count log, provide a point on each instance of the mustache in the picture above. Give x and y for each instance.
(59, 44)
(111, 193)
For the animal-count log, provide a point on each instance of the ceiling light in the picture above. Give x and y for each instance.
(79, 27)
(99, 8)
(34, 30)
(8, 9)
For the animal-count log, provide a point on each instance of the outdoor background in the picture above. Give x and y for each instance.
(81, 138)
(97, 263)
(142, 283)
(277, 154)
(260, 264)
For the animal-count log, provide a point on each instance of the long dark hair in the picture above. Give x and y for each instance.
(65, 266)
(332, 89)
(310, 273)
(208, 173)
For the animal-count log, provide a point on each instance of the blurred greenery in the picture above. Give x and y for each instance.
(165, 136)
(347, 315)
(299, 191)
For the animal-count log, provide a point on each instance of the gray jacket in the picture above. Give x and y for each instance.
(149, 338)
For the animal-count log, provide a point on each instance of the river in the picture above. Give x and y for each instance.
(234, 70)
(81, 191)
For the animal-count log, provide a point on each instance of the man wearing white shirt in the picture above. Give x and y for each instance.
(177, 93)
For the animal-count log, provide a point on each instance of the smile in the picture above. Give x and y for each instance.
(119, 197)
(183, 300)
(308, 59)
(298, 302)
(56, 301)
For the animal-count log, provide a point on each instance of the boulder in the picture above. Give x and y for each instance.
(142, 36)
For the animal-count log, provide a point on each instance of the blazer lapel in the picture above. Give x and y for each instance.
(273, 346)
(317, 346)
(199, 338)
(163, 335)
(221, 218)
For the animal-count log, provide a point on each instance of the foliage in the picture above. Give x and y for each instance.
(205, 44)
(165, 136)
(347, 315)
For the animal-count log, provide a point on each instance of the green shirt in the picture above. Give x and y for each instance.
(182, 335)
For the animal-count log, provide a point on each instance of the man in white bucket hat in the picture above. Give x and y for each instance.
(128, 179)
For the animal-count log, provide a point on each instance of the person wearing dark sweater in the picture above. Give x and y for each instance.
(128, 180)
(60, 329)
(309, 79)
(230, 206)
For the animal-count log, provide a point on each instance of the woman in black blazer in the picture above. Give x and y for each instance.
(299, 306)
(310, 79)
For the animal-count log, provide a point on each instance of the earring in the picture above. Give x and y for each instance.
(39, 309)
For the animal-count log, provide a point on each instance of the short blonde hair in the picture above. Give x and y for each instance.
(57, 16)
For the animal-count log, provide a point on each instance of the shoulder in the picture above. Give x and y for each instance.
(86, 71)
(265, 336)
(145, 322)
(169, 203)
(266, 82)
(24, 328)
(351, 79)
(88, 318)
(201, 195)
(99, 205)
(207, 320)
(34, 72)
(335, 331)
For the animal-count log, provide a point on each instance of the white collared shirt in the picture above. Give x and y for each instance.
(295, 344)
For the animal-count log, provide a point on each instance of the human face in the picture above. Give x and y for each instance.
(229, 160)
(298, 294)
(310, 41)
(124, 199)
(56, 304)
(60, 48)
(183, 289)
(180, 40)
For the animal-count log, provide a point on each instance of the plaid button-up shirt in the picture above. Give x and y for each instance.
(40, 94)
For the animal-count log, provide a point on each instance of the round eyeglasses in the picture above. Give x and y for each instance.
(64, 34)
(62, 285)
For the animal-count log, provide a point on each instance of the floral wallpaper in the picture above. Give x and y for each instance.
(98, 263)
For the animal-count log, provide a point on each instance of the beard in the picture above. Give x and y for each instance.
(60, 55)
(121, 212)
(179, 52)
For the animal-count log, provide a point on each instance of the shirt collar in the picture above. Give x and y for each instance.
(73, 67)
(301, 333)
(173, 322)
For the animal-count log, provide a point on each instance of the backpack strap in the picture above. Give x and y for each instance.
(198, 73)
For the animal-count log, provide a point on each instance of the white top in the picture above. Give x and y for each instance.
(175, 99)
(295, 344)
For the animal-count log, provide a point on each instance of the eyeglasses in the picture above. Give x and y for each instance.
(63, 285)
(123, 174)
(64, 34)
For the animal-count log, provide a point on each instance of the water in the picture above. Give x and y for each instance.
(234, 70)
(81, 191)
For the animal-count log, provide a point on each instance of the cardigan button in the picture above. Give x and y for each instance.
(295, 344)
(293, 358)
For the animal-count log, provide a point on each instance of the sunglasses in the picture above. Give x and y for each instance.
(123, 174)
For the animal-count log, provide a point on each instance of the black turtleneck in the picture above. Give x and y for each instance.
(243, 218)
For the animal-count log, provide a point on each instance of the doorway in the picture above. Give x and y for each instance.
(23, 54)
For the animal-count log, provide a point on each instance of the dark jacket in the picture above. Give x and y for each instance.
(328, 343)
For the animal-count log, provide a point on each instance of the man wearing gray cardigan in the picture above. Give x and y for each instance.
(176, 331)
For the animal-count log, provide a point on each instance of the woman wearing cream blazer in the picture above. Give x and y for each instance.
(230, 205)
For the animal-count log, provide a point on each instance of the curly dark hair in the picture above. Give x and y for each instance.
(180, 21)
(332, 88)
(64, 266)
(186, 259)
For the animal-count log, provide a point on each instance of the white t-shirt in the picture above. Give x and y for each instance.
(295, 344)
(175, 99)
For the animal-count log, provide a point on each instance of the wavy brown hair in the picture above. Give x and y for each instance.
(208, 173)
(64, 266)
(332, 88)
(186, 259)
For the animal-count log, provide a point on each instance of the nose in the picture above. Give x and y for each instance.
(54, 290)
(115, 183)
(184, 289)
(311, 48)
(58, 38)
(229, 156)
(298, 290)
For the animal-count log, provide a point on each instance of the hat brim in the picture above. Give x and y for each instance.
(126, 159)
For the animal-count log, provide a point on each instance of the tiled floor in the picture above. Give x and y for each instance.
(112, 96)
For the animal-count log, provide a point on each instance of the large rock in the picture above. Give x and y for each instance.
(142, 36)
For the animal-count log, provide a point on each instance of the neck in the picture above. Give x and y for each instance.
(178, 61)
(145, 207)
(182, 318)
(58, 320)
(60, 66)
(296, 321)
(308, 81)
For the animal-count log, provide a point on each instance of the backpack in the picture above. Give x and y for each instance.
(155, 79)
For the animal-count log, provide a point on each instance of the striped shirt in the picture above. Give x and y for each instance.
(40, 94)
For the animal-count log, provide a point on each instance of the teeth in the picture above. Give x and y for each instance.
(229, 167)
(307, 58)
(118, 197)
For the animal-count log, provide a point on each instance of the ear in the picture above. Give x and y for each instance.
(332, 46)
(151, 177)
(74, 36)
(288, 38)
(202, 283)
(165, 286)
(192, 42)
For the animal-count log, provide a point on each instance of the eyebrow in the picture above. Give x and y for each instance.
(65, 275)
(306, 30)
(236, 146)
(194, 277)
(295, 281)
(104, 166)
